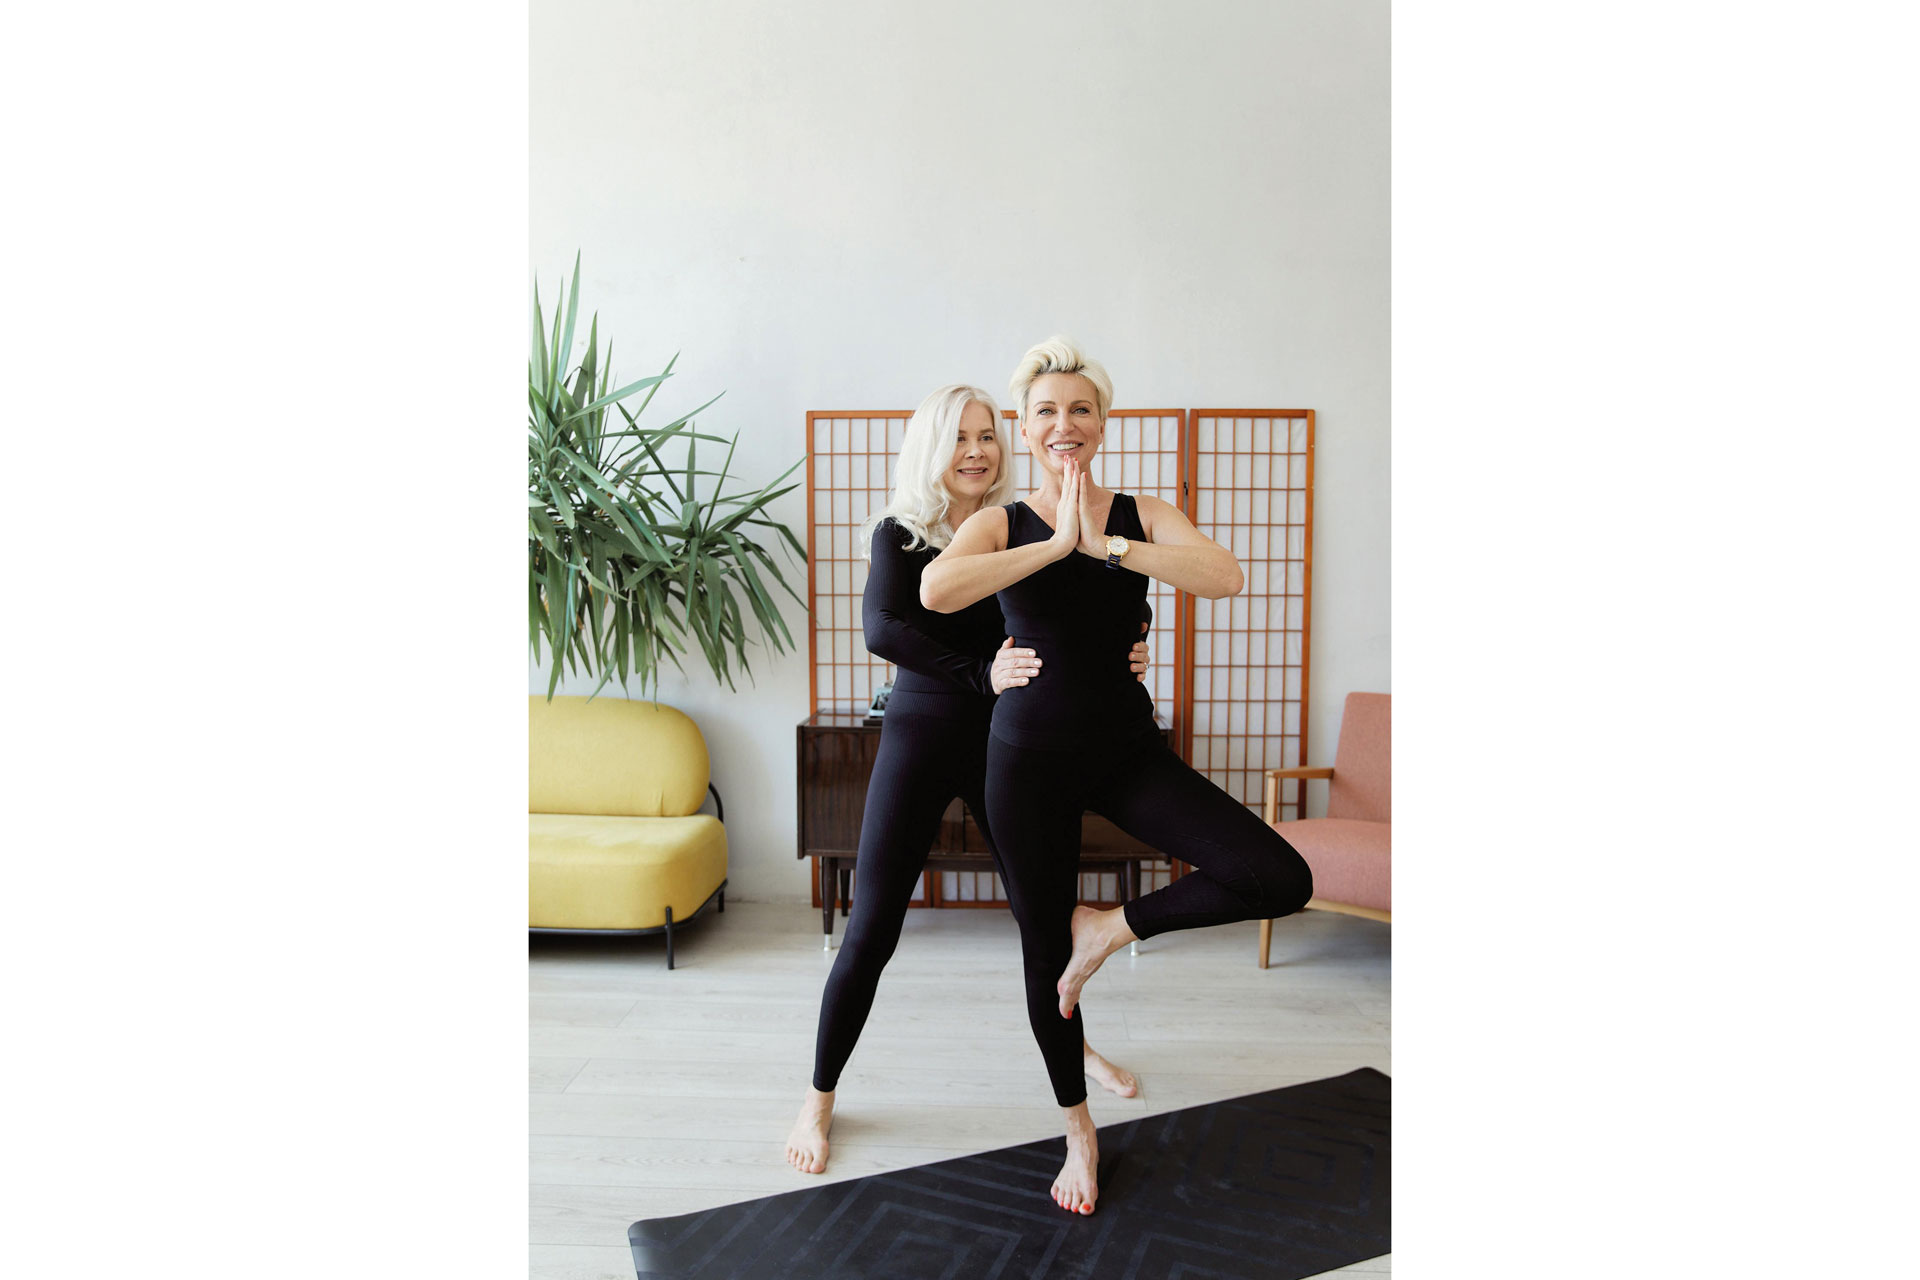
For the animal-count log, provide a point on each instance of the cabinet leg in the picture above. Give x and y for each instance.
(827, 882)
(846, 891)
(1133, 891)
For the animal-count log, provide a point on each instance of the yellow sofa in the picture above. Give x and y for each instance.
(615, 842)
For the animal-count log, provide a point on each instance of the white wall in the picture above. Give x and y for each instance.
(844, 205)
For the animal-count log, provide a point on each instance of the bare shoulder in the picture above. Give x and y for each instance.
(1165, 522)
(1158, 511)
(1151, 507)
(984, 530)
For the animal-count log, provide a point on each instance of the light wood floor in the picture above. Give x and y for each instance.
(661, 1093)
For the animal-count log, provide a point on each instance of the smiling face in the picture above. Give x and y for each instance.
(976, 456)
(1062, 420)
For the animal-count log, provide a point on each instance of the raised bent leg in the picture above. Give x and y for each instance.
(1243, 868)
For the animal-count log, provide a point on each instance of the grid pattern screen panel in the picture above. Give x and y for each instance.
(1253, 494)
(1230, 676)
(849, 475)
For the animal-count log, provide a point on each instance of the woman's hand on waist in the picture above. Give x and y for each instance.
(1013, 667)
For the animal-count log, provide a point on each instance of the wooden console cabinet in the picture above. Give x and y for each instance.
(836, 754)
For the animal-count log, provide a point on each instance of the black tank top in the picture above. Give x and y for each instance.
(1082, 618)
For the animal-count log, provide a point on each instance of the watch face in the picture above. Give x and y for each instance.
(1116, 546)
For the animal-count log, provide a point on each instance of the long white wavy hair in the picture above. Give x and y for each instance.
(920, 500)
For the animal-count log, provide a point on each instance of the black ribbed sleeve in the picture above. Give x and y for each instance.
(954, 649)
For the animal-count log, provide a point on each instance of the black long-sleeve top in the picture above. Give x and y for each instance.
(936, 652)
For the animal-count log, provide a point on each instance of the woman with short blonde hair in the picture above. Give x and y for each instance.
(1070, 565)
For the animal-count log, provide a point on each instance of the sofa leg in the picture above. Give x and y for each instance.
(1266, 940)
(669, 937)
(723, 902)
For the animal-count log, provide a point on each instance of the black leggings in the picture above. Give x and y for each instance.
(1243, 869)
(933, 747)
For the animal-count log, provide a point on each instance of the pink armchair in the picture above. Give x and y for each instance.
(1351, 849)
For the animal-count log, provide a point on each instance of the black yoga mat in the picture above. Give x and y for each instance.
(1282, 1184)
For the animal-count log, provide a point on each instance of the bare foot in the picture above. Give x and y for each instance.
(1076, 1188)
(1096, 935)
(807, 1144)
(1111, 1078)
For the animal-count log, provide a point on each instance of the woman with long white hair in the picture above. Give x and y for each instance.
(933, 739)
(1070, 564)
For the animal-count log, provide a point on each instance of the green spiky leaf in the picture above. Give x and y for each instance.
(628, 568)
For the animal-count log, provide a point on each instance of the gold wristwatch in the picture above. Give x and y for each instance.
(1116, 549)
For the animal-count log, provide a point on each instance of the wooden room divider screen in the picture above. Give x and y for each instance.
(1246, 683)
(1229, 677)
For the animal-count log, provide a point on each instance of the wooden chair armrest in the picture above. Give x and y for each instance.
(1270, 809)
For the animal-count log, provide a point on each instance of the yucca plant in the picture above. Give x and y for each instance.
(627, 564)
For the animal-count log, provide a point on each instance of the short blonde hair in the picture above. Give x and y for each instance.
(1060, 355)
(920, 500)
